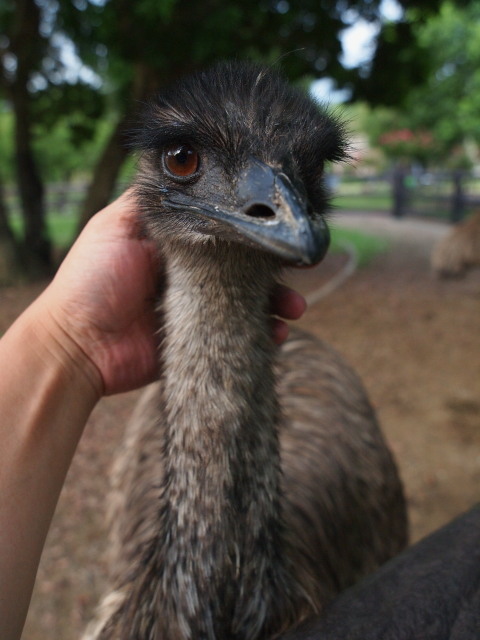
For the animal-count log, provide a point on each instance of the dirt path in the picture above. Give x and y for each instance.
(414, 340)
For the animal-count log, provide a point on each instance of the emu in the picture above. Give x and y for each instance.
(459, 250)
(253, 485)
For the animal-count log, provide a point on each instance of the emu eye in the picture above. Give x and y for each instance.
(181, 160)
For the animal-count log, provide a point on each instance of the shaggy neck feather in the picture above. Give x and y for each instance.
(219, 557)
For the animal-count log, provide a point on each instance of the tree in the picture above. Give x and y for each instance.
(443, 98)
(22, 49)
(9, 250)
(144, 45)
(34, 83)
(449, 101)
(401, 60)
(150, 43)
(132, 48)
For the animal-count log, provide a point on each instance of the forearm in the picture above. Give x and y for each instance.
(45, 400)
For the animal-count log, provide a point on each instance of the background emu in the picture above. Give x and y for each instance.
(459, 250)
(251, 488)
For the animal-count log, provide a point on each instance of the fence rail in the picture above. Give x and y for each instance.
(446, 195)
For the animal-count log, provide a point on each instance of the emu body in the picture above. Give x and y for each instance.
(459, 251)
(252, 488)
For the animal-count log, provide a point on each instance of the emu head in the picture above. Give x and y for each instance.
(236, 153)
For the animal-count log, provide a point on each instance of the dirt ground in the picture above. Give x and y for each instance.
(415, 342)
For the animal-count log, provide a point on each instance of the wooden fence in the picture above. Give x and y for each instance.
(446, 195)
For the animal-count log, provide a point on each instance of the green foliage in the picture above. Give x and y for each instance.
(172, 37)
(61, 150)
(450, 100)
(445, 106)
(400, 63)
(63, 155)
(124, 42)
(155, 9)
(61, 229)
(7, 169)
(81, 104)
(135, 47)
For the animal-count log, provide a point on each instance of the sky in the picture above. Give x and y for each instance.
(357, 42)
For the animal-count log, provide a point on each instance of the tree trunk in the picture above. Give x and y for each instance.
(105, 175)
(10, 261)
(37, 246)
(145, 81)
(26, 45)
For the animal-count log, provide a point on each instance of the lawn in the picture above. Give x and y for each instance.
(371, 202)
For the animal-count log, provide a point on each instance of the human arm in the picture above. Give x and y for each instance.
(90, 333)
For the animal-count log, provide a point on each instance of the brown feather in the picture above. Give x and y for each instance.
(459, 250)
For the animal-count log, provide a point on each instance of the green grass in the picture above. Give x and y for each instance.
(61, 228)
(365, 245)
(381, 202)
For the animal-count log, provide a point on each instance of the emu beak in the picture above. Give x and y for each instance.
(267, 213)
(274, 215)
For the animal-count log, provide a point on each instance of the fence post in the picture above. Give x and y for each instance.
(399, 191)
(457, 210)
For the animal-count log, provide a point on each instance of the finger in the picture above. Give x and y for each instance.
(288, 303)
(122, 214)
(280, 330)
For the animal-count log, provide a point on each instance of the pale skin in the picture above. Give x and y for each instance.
(89, 334)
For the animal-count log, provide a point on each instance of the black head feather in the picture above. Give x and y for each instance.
(231, 113)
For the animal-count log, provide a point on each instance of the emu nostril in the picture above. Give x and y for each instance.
(260, 211)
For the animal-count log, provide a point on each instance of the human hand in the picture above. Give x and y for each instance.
(101, 302)
(288, 304)
(100, 306)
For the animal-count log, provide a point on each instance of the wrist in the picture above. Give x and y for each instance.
(46, 397)
(55, 345)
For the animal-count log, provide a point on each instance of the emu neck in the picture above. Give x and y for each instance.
(221, 550)
(219, 395)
